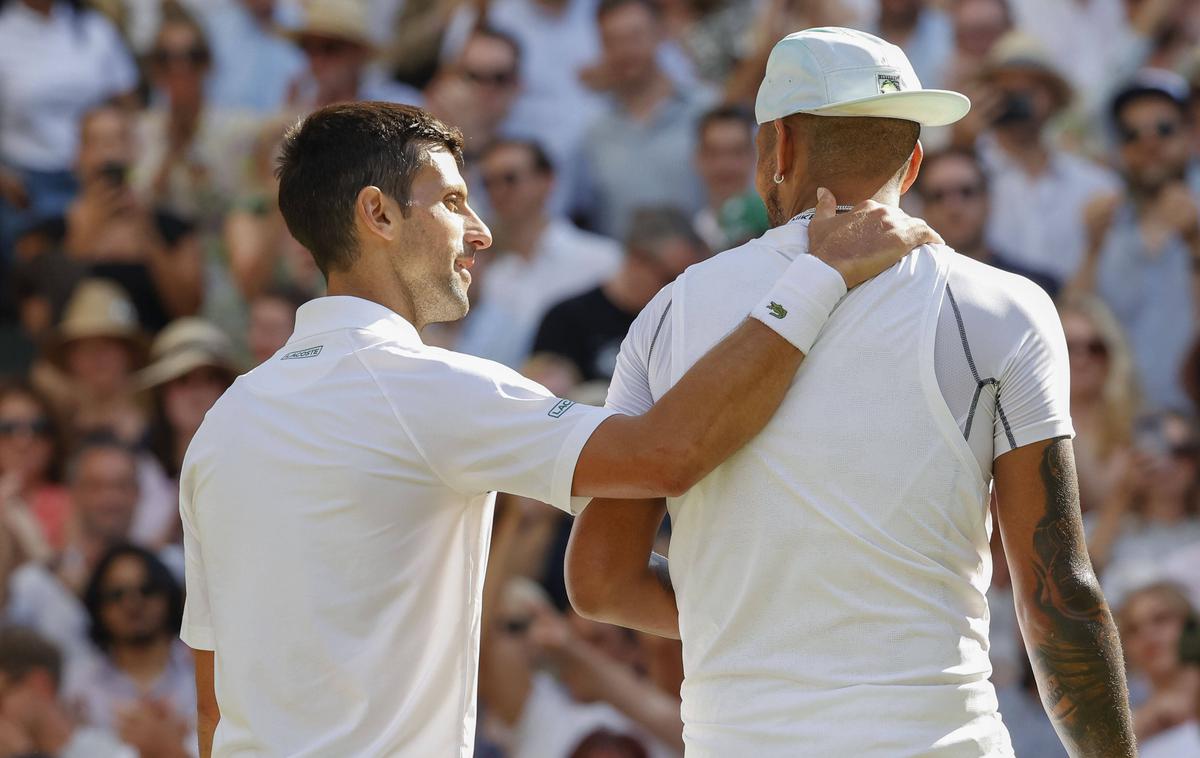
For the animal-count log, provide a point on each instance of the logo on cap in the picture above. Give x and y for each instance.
(888, 83)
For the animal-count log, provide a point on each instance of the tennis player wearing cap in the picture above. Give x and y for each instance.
(336, 501)
(828, 581)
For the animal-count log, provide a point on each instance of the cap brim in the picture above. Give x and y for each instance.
(927, 107)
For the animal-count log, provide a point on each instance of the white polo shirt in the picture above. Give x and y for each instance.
(337, 514)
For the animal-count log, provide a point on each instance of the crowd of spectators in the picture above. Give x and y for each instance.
(144, 264)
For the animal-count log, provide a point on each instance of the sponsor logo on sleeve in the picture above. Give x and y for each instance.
(562, 407)
(776, 310)
(311, 352)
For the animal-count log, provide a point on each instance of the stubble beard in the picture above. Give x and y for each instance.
(774, 208)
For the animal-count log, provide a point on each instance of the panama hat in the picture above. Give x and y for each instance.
(185, 345)
(337, 19)
(833, 71)
(1020, 51)
(97, 308)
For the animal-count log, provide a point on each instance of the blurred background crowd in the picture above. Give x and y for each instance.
(144, 265)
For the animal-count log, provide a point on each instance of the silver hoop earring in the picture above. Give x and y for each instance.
(778, 178)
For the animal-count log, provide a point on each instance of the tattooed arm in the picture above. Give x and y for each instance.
(612, 573)
(1068, 629)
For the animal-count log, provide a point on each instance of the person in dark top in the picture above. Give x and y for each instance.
(588, 329)
(954, 191)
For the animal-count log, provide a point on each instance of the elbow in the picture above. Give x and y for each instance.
(679, 470)
(589, 580)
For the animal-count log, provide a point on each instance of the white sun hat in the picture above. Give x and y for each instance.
(844, 72)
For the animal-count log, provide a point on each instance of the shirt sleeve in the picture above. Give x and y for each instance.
(1033, 400)
(630, 391)
(197, 629)
(487, 428)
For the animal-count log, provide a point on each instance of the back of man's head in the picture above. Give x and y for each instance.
(23, 652)
(839, 151)
(330, 156)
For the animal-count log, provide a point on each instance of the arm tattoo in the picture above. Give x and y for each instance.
(661, 571)
(1077, 653)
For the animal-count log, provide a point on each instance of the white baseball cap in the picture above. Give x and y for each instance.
(844, 72)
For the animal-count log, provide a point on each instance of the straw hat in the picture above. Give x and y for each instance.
(97, 308)
(337, 19)
(1020, 51)
(185, 345)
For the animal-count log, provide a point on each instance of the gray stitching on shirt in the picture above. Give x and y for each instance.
(654, 340)
(979, 383)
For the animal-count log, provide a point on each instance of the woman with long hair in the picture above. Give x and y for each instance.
(1104, 398)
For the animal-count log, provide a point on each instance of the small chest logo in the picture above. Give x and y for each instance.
(888, 83)
(562, 407)
(776, 310)
(311, 352)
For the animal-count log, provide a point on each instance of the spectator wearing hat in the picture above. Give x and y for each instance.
(1143, 245)
(253, 64)
(34, 719)
(1038, 192)
(192, 364)
(91, 358)
(109, 232)
(338, 47)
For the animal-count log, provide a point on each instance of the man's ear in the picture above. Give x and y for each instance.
(784, 147)
(375, 214)
(914, 167)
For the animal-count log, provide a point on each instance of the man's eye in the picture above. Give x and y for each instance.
(454, 202)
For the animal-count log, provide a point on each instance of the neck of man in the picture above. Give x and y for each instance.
(342, 92)
(53, 730)
(847, 193)
(640, 101)
(523, 235)
(40, 6)
(143, 660)
(378, 288)
(975, 249)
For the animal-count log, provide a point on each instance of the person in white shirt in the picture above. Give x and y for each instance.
(336, 502)
(543, 259)
(828, 581)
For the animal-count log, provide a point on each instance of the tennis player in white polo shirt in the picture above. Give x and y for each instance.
(336, 501)
(828, 581)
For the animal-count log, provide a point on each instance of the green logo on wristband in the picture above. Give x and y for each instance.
(777, 310)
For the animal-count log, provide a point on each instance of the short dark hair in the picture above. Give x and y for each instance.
(158, 576)
(961, 153)
(608, 6)
(721, 113)
(537, 154)
(487, 30)
(331, 155)
(857, 147)
(652, 225)
(100, 439)
(24, 650)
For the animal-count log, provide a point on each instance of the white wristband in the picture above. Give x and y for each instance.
(801, 301)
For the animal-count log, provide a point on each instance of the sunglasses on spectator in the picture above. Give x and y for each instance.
(1184, 451)
(503, 180)
(1093, 348)
(1162, 130)
(940, 195)
(318, 46)
(39, 427)
(195, 56)
(496, 79)
(517, 626)
(114, 595)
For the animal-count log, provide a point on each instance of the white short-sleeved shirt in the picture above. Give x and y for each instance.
(998, 333)
(337, 513)
(52, 69)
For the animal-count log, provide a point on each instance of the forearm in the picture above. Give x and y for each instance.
(206, 728)
(1076, 655)
(656, 711)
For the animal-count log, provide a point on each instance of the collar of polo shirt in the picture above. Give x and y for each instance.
(325, 314)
